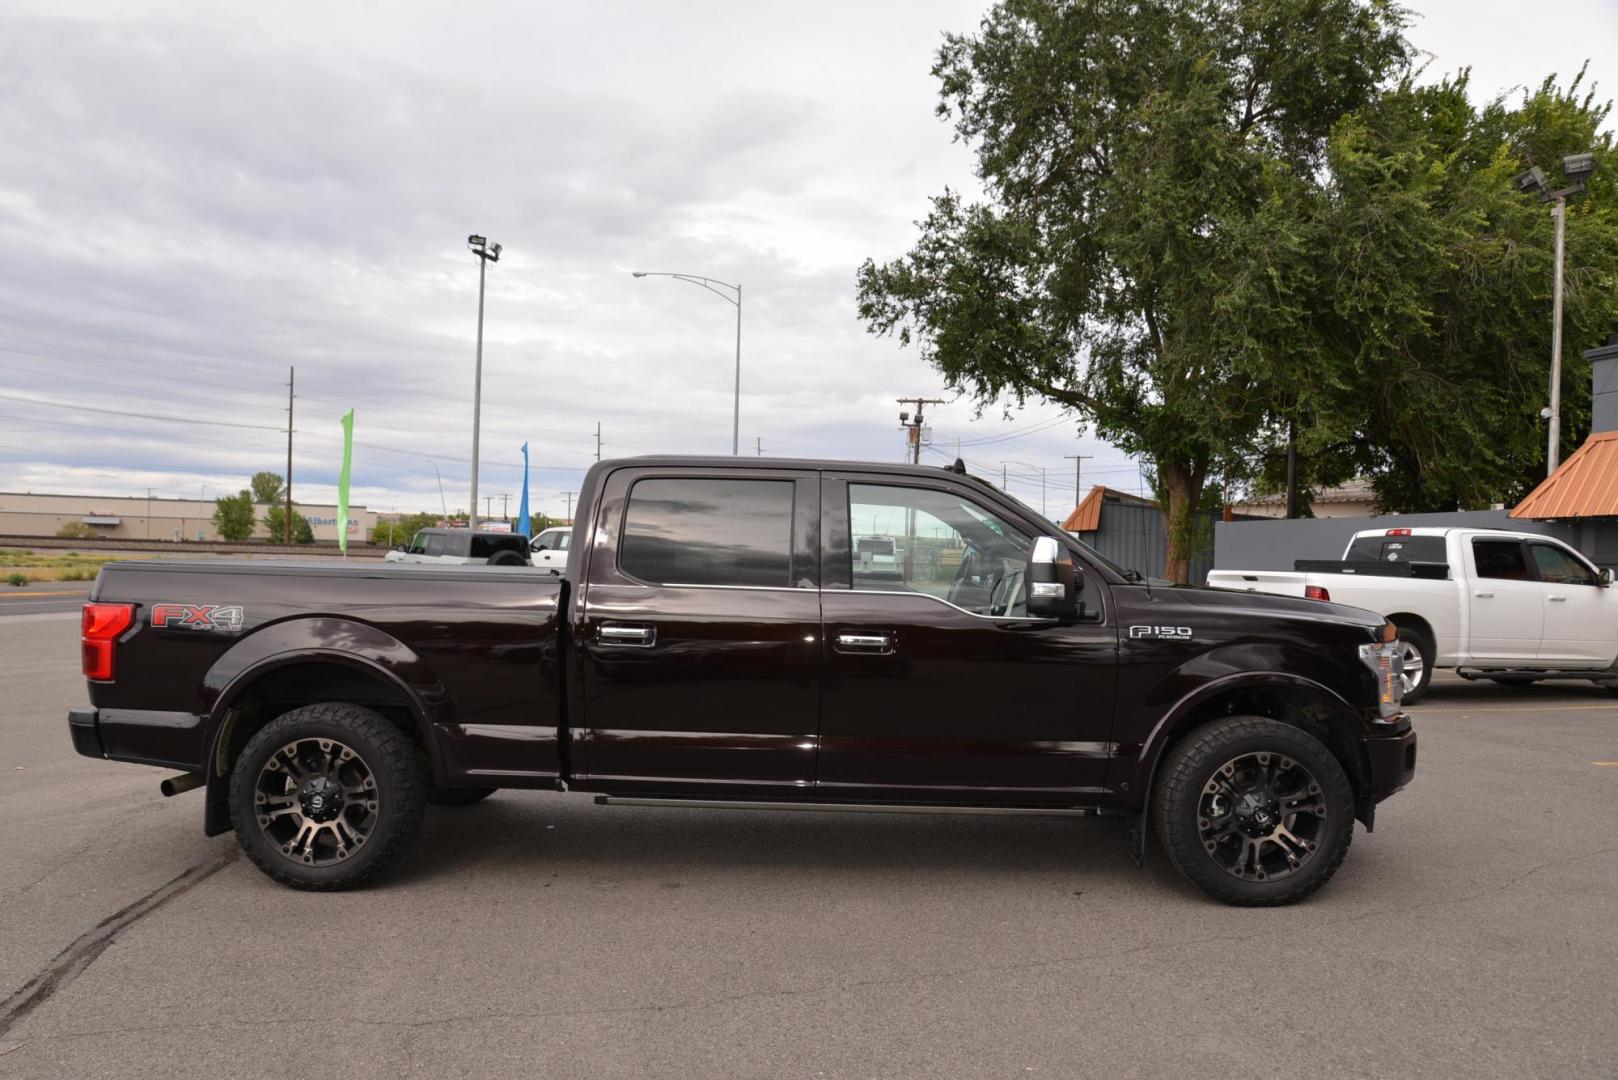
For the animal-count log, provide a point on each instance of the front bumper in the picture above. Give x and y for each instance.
(1391, 759)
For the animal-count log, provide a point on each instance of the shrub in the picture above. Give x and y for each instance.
(76, 530)
(17, 579)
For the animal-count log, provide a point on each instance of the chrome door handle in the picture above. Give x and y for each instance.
(1556, 599)
(1485, 595)
(618, 634)
(848, 641)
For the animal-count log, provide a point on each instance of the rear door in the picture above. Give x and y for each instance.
(939, 687)
(1507, 615)
(699, 637)
(1581, 616)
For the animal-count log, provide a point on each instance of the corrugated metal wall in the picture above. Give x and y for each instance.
(1133, 536)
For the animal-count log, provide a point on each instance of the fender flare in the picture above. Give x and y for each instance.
(261, 654)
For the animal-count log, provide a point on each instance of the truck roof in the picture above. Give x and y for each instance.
(732, 462)
(1440, 530)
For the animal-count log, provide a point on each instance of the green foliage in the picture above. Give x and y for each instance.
(275, 525)
(76, 530)
(16, 579)
(233, 516)
(268, 487)
(407, 527)
(538, 523)
(1207, 224)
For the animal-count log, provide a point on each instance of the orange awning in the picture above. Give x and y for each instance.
(1585, 485)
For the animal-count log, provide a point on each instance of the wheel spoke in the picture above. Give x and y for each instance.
(318, 773)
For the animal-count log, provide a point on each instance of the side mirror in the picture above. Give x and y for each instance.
(401, 547)
(1052, 581)
(1606, 576)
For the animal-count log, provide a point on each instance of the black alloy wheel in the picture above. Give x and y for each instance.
(1261, 816)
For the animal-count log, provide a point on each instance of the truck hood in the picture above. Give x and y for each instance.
(1239, 603)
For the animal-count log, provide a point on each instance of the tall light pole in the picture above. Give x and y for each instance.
(486, 253)
(714, 286)
(1577, 169)
(443, 505)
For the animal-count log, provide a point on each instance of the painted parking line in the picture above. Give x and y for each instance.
(37, 595)
(1605, 764)
(1524, 707)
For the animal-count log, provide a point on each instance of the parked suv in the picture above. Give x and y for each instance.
(462, 547)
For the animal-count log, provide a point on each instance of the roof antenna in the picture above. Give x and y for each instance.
(959, 468)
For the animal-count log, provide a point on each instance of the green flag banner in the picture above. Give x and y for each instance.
(342, 481)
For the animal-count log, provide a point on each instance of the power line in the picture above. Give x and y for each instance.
(146, 416)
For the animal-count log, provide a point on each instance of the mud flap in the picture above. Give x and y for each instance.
(1135, 839)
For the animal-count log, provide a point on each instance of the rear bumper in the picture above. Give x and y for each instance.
(1392, 761)
(144, 736)
(81, 725)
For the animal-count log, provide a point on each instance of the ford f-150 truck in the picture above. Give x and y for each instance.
(714, 642)
(1512, 607)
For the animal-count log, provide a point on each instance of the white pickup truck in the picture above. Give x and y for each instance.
(1512, 607)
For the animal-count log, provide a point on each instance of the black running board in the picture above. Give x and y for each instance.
(846, 808)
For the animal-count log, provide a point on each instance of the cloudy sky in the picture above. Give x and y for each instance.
(195, 197)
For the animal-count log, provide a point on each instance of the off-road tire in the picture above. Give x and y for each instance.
(507, 558)
(1414, 639)
(1192, 762)
(389, 756)
(457, 796)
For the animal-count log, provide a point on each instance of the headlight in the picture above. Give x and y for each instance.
(1386, 659)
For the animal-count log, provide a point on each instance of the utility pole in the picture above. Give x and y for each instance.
(913, 427)
(570, 495)
(598, 440)
(488, 506)
(486, 253)
(148, 513)
(292, 374)
(758, 441)
(1078, 475)
(504, 504)
(1553, 456)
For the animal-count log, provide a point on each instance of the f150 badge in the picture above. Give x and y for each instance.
(207, 617)
(1161, 633)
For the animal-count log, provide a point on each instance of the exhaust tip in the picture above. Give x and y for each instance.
(174, 785)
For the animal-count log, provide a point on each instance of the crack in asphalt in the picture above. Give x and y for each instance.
(71, 962)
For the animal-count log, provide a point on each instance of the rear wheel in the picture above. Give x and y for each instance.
(1253, 811)
(326, 796)
(1418, 664)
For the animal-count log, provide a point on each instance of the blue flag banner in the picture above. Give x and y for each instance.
(522, 507)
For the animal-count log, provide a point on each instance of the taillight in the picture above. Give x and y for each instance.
(1316, 592)
(101, 626)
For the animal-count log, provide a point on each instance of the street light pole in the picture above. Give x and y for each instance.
(486, 253)
(709, 284)
(1553, 454)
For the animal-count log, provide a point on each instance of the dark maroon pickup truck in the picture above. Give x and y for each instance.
(791, 634)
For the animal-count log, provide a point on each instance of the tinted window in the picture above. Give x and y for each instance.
(484, 545)
(418, 545)
(1501, 559)
(1398, 549)
(709, 532)
(922, 540)
(1559, 567)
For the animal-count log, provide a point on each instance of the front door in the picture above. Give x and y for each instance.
(699, 642)
(1581, 617)
(939, 687)
(1507, 610)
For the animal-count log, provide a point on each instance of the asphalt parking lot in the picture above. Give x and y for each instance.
(1471, 935)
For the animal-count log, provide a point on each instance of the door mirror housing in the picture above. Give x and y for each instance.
(1052, 581)
(402, 547)
(1606, 576)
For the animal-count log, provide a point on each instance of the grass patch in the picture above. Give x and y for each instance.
(52, 565)
(16, 579)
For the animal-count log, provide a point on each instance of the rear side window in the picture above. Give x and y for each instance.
(709, 532)
(1501, 559)
(484, 546)
(1560, 568)
(1398, 549)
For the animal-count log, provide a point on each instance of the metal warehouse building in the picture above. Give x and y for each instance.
(140, 518)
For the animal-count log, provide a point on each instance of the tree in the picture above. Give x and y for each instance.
(1152, 170)
(268, 487)
(233, 516)
(275, 524)
(538, 523)
(76, 530)
(401, 531)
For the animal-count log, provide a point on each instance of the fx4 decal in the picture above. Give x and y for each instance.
(197, 617)
(1161, 633)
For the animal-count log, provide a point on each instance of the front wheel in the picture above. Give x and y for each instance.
(326, 796)
(1253, 811)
